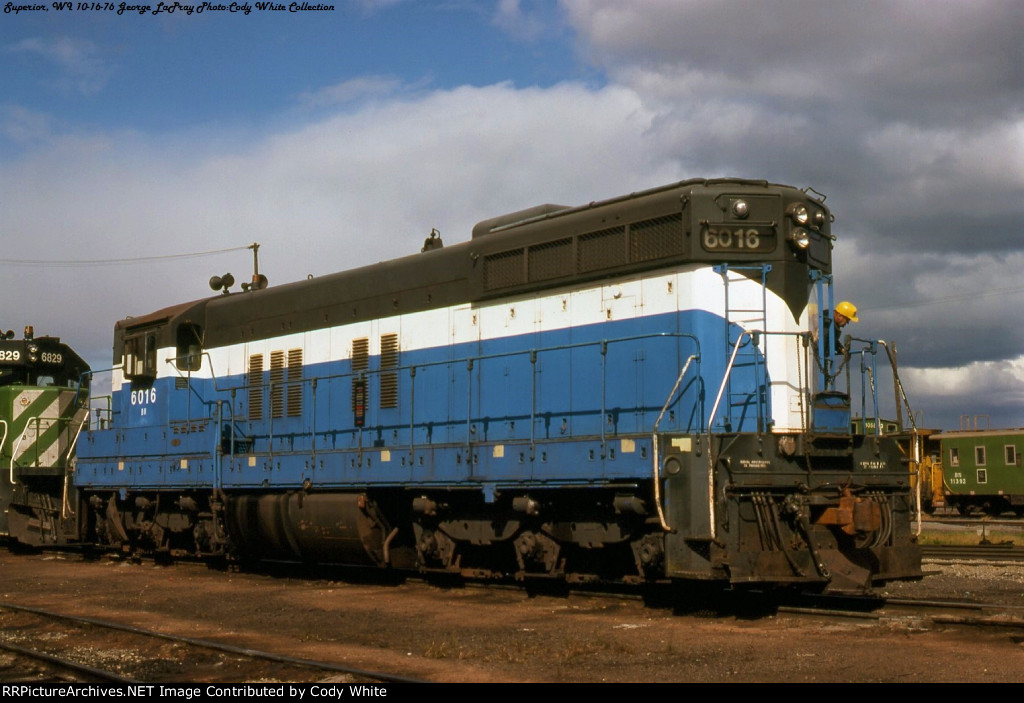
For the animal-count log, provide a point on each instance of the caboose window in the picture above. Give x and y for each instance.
(979, 456)
(982, 475)
(1011, 455)
(954, 456)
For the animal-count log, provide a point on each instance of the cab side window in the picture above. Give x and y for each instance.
(140, 357)
(189, 347)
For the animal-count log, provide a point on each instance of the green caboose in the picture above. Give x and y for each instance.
(982, 470)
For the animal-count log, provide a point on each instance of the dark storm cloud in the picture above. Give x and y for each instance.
(889, 59)
(908, 115)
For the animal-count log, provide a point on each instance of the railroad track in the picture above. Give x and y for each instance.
(918, 613)
(981, 552)
(91, 649)
(24, 666)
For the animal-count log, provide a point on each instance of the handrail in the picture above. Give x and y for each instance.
(65, 508)
(470, 363)
(725, 377)
(914, 436)
(711, 422)
(4, 438)
(14, 449)
(654, 445)
(74, 441)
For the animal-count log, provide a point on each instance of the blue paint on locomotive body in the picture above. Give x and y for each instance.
(573, 406)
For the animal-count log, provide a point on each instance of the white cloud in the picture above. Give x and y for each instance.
(907, 115)
(978, 394)
(526, 24)
(24, 126)
(80, 65)
(347, 190)
(355, 89)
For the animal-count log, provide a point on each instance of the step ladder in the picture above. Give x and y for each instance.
(746, 391)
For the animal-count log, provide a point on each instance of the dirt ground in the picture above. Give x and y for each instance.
(507, 635)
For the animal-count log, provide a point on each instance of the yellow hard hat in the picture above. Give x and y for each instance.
(848, 310)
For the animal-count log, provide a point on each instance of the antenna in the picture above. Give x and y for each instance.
(259, 281)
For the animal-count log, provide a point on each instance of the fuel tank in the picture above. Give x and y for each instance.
(342, 528)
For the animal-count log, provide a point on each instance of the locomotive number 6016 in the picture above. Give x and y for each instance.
(738, 238)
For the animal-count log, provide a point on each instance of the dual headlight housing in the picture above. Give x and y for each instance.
(803, 217)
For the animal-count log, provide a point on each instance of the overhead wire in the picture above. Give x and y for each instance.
(70, 263)
(949, 299)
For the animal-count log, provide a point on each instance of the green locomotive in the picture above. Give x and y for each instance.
(43, 408)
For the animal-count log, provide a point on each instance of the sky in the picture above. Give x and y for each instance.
(142, 152)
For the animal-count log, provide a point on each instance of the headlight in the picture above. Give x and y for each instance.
(798, 211)
(819, 218)
(740, 209)
(799, 239)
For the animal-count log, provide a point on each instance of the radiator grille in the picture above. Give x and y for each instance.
(550, 260)
(656, 239)
(503, 270)
(601, 250)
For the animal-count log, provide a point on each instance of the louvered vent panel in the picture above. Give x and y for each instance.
(294, 382)
(277, 383)
(256, 387)
(360, 362)
(360, 354)
(388, 378)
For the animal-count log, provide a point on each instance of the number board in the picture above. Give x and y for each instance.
(738, 238)
(54, 358)
(11, 354)
(21, 353)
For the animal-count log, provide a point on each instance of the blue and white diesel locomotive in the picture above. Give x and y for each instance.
(629, 391)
